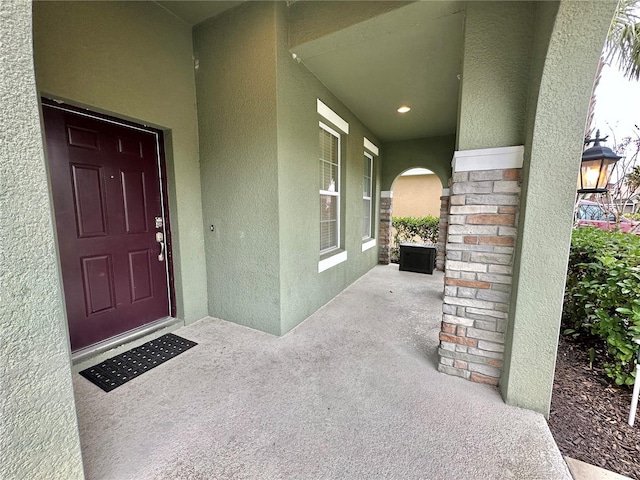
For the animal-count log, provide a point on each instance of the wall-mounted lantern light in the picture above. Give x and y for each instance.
(596, 167)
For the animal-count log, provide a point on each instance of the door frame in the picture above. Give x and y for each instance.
(84, 353)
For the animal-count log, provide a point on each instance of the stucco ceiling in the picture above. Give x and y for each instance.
(196, 12)
(411, 55)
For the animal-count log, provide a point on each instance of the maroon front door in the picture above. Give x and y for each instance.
(111, 227)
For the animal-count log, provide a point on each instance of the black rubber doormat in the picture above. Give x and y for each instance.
(119, 370)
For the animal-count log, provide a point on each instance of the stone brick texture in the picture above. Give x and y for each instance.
(384, 233)
(481, 228)
(441, 246)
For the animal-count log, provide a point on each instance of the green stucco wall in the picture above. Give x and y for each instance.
(552, 159)
(103, 56)
(495, 74)
(38, 428)
(236, 90)
(544, 20)
(303, 289)
(434, 153)
(259, 159)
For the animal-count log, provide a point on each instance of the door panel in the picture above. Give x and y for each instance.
(140, 275)
(134, 201)
(82, 137)
(88, 200)
(130, 146)
(98, 284)
(106, 192)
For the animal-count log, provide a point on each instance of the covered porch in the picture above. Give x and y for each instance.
(240, 98)
(353, 392)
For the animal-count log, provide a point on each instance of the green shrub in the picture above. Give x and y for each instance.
(413, 230)
(602, 296)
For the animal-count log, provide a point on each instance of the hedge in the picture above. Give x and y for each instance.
(602, 296)
(413, 230)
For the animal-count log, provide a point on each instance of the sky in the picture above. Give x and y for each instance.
(617, 106)
(616, 112)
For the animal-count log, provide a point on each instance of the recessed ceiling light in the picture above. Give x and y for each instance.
(404, 109)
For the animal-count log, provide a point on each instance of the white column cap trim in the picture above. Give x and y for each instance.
(386, 194)
(488, 159)
(446, 192)
(370, 244)
(369, 145)
(327, 263)
(332, 116)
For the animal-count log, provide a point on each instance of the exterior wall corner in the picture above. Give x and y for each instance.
(39, 425)
(558, 116)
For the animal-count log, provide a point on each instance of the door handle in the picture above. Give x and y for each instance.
(160, 240)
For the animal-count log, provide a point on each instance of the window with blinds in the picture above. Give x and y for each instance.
(329, 189)
(367, 206)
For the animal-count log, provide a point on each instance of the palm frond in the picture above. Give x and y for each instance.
(623, 39)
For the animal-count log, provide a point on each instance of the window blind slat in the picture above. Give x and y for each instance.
(329, 190)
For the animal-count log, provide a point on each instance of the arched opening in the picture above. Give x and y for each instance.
(432, 154)
(416, 209)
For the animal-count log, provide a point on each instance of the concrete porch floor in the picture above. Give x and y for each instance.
(351, 393)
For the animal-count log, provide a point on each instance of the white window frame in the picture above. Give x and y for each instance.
(335, 194)
(370, 197)
(332, 116)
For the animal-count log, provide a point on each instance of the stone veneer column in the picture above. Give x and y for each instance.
(386, 209)
(483, 216)
(441, 247)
